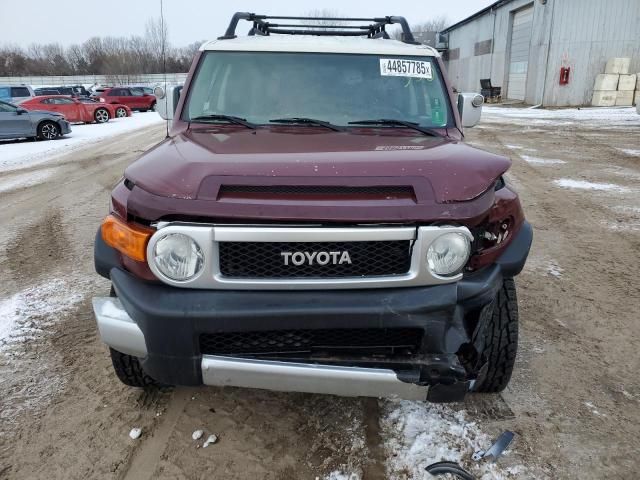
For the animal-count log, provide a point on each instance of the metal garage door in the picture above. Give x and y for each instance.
(519, 62)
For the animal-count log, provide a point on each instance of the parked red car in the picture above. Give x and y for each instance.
(116, 110)
(135, 99)
(75, 110)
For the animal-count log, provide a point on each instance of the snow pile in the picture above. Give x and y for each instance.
(20, 154)
(419, 434)
(26, 314)
(605, 118)
(584, 185)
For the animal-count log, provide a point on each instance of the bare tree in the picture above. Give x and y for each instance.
(156, 33)
(436, 24)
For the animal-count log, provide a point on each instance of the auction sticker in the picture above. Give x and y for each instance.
(395, 67)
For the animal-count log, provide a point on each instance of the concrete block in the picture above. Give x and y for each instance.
(604, 98)
(618, 65)
(627, 82)
(624, 99)
(606, 81)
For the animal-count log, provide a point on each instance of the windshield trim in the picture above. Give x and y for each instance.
(451, 119)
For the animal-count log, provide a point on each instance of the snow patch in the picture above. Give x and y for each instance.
(542, 161)
(630, 151)
(418, 434)
(554, 270)
(15, 155)
(584, 185)
(27, 313)
(601, 118)
(135, 433)
(342, 476)
(23, 180)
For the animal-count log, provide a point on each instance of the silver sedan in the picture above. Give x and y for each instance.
(16, 122)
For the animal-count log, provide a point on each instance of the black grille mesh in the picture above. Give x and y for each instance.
(292, 341)
(265, 259)
(317, 190)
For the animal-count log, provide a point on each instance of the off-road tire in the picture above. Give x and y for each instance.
(501, 340)
(48, 131)
(101, 115)
(129, 371)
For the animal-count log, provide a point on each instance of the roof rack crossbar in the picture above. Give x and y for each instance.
(376, 29)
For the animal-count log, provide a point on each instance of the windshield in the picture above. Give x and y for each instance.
(336, 88)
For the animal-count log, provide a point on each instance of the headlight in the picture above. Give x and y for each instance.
(448, 254)
(178, 257)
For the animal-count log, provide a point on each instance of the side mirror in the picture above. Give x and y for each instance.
(21, 111)
(470, 108)
(167, 100)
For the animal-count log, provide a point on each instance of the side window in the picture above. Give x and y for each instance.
(20, 92)
(5, 92)
(114, 92)
(125, 92)
(136, 92)
(47, 101)
(63, 101)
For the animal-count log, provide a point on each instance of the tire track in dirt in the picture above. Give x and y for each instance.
(142, 465)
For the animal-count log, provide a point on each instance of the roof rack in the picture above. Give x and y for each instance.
(371, 27)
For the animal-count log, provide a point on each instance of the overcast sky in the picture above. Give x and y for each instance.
(191, 20)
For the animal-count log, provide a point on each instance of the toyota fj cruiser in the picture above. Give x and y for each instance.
(314, 222)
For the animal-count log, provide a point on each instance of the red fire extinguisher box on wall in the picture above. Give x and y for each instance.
(564, 75)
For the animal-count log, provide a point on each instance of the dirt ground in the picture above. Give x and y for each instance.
(574, 400)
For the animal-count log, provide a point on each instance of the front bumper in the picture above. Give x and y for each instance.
(65, 127)
(162, 325)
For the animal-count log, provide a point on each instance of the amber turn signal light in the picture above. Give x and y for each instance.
(128, 239)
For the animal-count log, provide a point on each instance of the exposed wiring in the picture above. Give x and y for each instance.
(445, 468)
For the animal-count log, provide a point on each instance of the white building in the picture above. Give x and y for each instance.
(521, 45)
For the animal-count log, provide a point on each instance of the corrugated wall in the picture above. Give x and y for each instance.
(584, 35)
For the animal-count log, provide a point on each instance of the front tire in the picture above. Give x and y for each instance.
(129, 371)
(48, 131)
(101, 115)
(121, 112)
(500, 339)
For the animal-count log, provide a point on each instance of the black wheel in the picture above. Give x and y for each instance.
(48, 131)
(129, 371)
(101, 115)
(121, 112)
(501, 339)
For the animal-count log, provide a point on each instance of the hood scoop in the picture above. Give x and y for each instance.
(316, 192)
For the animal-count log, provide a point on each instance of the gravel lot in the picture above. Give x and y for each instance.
(574, 400)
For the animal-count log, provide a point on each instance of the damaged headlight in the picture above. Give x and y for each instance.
(448, 254)
(178, 257)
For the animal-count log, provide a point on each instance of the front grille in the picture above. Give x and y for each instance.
(266, 260)
(382, 190)
(355, 340)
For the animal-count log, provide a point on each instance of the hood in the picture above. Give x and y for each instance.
(198, 162)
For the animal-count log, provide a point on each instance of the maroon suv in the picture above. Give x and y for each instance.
(314, 222)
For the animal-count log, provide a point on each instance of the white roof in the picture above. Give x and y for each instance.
(316, 44)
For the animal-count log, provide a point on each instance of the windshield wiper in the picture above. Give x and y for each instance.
(225, 118)
(399, 123)
(308, 121)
